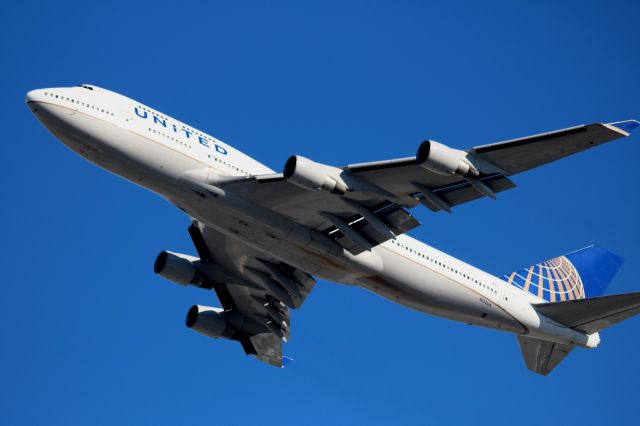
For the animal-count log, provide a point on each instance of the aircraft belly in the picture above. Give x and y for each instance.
(282, 238)
(413, 285)
(400, 280)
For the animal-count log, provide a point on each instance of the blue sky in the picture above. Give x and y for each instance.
(91, 335)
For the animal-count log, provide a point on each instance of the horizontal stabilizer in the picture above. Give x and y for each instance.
(592, 315)
(542, 356)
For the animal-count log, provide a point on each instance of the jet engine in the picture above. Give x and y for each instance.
(209, 321)
(441, 159)
(311, 175)
(178, 268)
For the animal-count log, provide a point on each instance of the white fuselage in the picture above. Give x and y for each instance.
(160, 153)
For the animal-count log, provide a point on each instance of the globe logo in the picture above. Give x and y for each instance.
(555, 280)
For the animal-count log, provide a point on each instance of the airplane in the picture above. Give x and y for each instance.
(261, 236)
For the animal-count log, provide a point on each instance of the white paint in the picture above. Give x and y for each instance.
(103, 127)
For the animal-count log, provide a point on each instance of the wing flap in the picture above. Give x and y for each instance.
(253, 306)
(327, 212)
(397, 219)
(463, 192)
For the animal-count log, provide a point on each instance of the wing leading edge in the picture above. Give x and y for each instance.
(519, 155)
(362, 205)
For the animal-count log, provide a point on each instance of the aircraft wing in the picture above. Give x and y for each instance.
(367, 205)
(522, 154)
(254, 291)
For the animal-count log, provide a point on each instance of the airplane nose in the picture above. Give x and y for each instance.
(34, 95)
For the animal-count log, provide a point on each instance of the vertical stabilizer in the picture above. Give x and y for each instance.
(583, 273)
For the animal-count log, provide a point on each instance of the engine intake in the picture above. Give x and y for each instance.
(208, 321)
(178, 268)
(441, 159)
(311, 175)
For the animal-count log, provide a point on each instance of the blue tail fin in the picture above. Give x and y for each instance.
(583, 273)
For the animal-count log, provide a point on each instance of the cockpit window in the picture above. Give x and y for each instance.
(85, 86)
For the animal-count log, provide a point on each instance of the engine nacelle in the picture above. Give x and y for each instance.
(209, 321)
(178, 268)
(311, 175)
(441, 159)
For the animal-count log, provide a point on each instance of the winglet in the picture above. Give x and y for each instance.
(626, 126)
